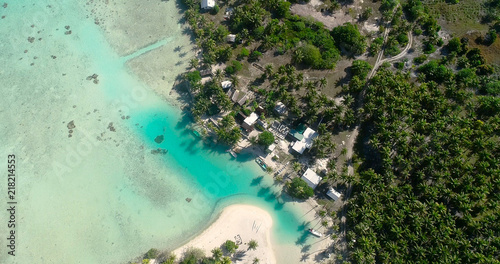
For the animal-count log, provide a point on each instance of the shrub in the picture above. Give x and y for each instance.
(420, 59)
(311, 56)
(440, 42)
(215, 10)
(193, 77)
(299, 189)
(151, 254)
(237, 66)
(244, 53)
(259, 127)
(230, 246)
(360, 68)
(348, 37)
(230, 70)
(454, 45)
(266, 138)
(429, 47)
(255, 55)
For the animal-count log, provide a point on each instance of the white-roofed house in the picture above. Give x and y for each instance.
(306, 142)
(250, 121)
(226, 85)
(333, 194)
(280, 108)
(271, 148)
(207, 4)
(311, 178)
(231, 38)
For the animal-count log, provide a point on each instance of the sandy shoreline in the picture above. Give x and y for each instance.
(245, 222)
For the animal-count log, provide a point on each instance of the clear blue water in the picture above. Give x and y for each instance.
(108, 207)
(221, 178)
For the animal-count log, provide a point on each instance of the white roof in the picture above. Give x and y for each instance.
(306, 142)
(311, 178)
(205, 4)
(280, 108)
(226, 84)
(333, 194)
(250, 120)
(271, 147)
(231, 38)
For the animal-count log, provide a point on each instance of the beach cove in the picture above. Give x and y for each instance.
(82, 101)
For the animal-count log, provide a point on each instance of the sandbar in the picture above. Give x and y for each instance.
(235, 222)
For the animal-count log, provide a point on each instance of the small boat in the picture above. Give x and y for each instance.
(315, 233)
(261, 163)
(196, 133)
(232, 153)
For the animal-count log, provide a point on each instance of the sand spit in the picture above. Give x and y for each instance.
(239, 223)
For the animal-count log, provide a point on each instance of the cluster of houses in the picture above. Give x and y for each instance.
(302, 137)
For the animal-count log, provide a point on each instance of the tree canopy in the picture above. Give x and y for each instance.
(266, 138)
(349, 38)
(299, 189)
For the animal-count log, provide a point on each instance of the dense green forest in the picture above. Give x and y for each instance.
(428, 189)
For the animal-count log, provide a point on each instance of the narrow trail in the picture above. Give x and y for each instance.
(355, 132)
(403, 53)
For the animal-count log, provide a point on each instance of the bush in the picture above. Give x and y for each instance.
(255, 55)
(429, 47)
(348, 37)
(360, 68)
(193, 77)
(230, 70)
(420, 59)
(259, 127)
(237, 66)
(266, 138)
(490, 37)
(454, 45)
(215, 10)
(151, 254)
(311, 56)
(230, 246)
(440, 42)
(244, 53)
(299, 189)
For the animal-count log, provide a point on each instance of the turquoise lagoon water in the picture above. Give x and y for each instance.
(101, 196)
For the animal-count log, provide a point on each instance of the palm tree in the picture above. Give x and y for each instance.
(256, 261)
(296, 166)
(171, 259)
(217, 254)
(252, 244)
(218, 75)
(193, 63)
(323, 82)
(269, 70)
(226, 260)
(298, 56)
(235, 81)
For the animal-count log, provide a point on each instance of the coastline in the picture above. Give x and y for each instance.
(238, 221)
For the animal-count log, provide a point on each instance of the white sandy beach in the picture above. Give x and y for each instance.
(249, 222)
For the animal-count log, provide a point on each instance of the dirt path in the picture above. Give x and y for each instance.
(354, 135)
(397, 57)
